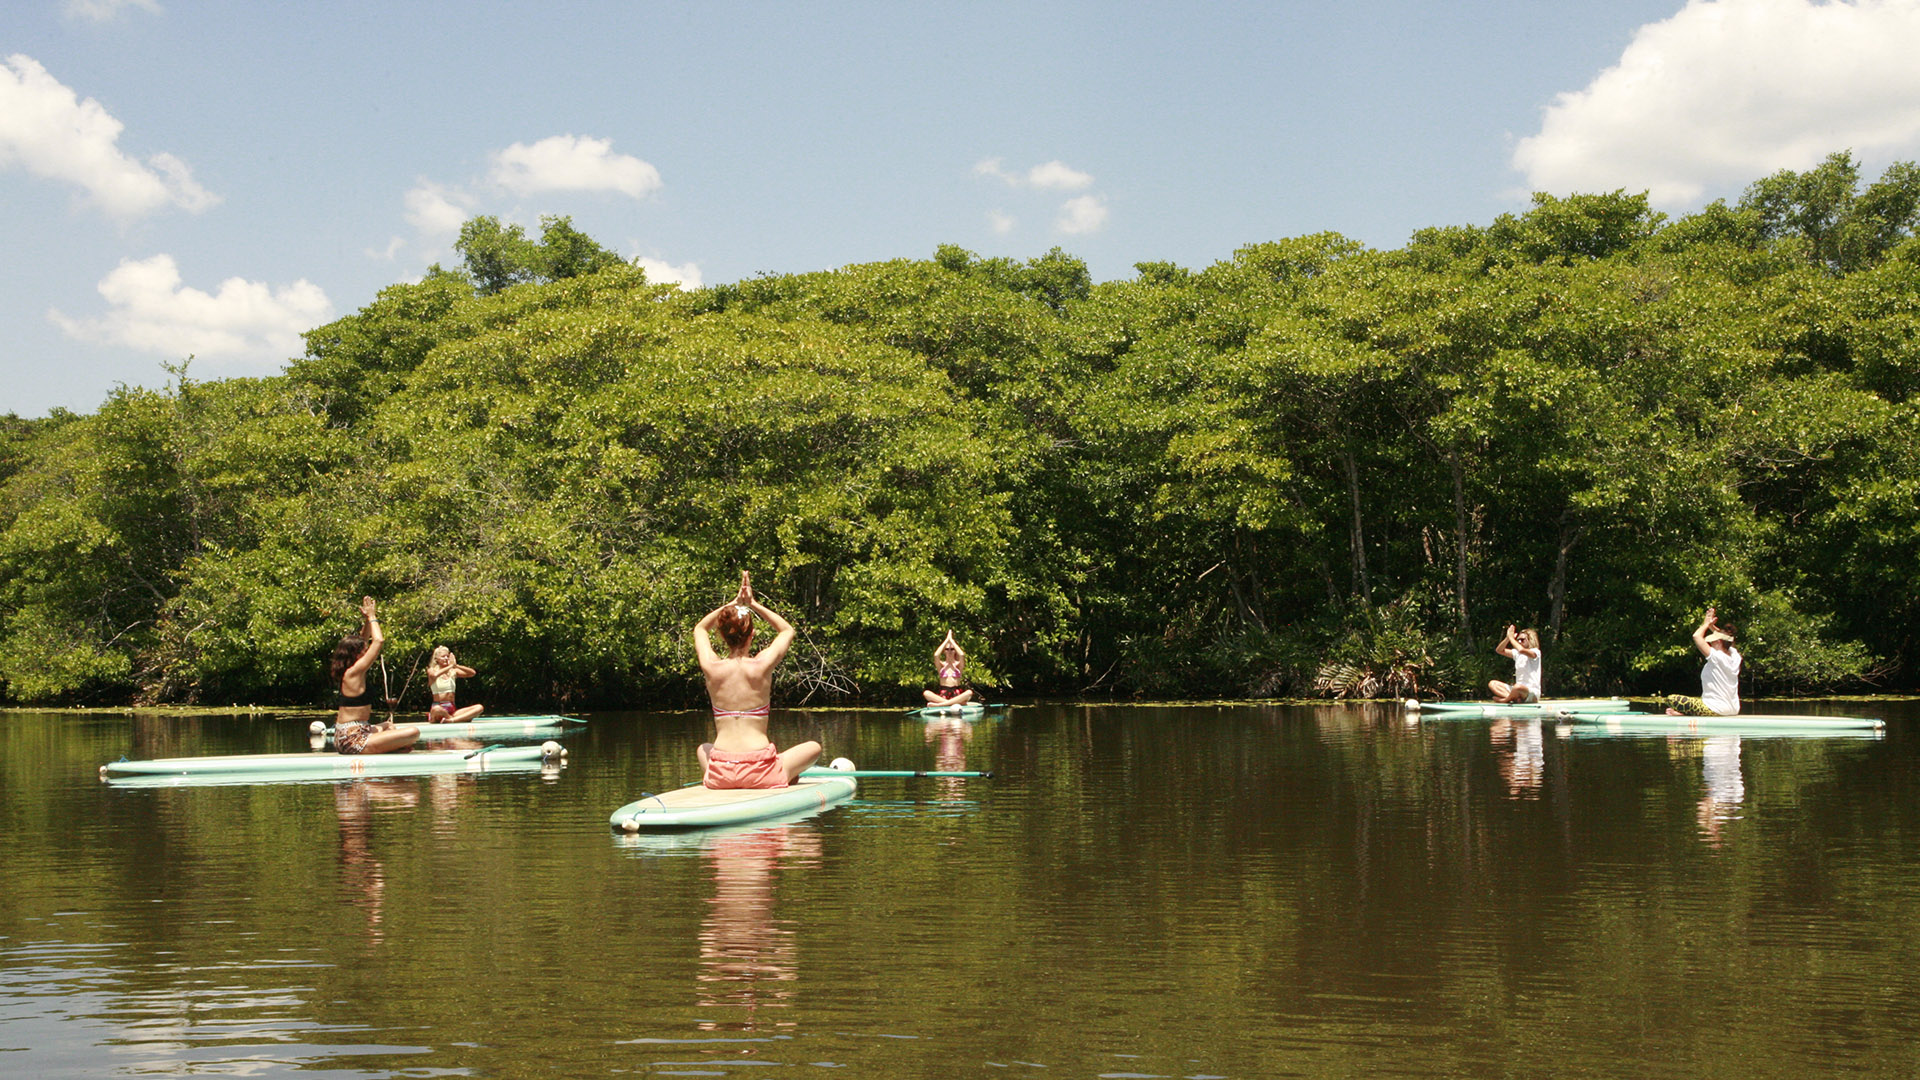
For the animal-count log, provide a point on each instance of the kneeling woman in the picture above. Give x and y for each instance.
(740, 688)
(354, 731)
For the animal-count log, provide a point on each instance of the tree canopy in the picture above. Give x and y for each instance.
(1311, 467)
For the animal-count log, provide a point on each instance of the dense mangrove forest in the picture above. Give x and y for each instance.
(1311, 468)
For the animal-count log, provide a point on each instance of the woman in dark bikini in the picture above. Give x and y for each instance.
(949, 669)
(354, 731)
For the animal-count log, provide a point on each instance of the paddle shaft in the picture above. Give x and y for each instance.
(893, 772)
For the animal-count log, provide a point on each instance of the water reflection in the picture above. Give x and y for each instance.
(949, 738)
(749, 960)
(1726, 789)
(1270, 890)
(1520, 751)
(363, 876)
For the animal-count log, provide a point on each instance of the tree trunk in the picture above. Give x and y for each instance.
(1459, 532)
(1245, 586)
(1320, 556)
(1570, 535)
(1361, 586)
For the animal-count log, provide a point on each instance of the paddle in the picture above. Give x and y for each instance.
(821, 770)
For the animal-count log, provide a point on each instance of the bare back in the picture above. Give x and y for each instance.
(740, 688)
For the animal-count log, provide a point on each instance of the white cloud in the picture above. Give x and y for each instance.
(388, 253)
(106, 10)
(662, 273)
(245, 320)
(1727, 91)
(1053, 176)
(1056, 176)
(1082, 215)
(567, 163)
(991, 167)
(438, 211)
(46, 129)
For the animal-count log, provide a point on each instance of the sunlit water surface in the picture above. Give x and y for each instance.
(1207, 891)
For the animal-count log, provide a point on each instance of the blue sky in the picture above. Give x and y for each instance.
(209, 179)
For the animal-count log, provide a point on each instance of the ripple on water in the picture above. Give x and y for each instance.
(62, 1003)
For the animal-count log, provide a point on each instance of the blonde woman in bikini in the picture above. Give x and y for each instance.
(443, 674)
(740, 688)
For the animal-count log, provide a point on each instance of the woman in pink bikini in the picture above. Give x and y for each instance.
(443, 673)
(950, 672)
(740, 688)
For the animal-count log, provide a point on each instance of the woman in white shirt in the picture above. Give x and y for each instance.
(1719, 679)
(1524, 648)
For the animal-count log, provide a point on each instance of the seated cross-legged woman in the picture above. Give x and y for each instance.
(443, 673)
(354, 731)
(740, 688)
(1523, 648)
(949, 672)
(1719, 677)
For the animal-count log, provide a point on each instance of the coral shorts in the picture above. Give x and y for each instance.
(752, 769)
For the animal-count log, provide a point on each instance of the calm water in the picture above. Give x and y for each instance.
(1229, 892)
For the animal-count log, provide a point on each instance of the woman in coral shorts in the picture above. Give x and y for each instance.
(740, 688)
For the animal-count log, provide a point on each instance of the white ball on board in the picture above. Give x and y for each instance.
(841, 764)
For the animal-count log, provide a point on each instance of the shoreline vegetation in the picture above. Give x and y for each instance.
(1311, 470)
(302, 712)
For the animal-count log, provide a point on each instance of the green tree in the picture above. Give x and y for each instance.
(498, 256)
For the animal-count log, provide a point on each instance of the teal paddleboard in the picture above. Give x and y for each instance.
(1543, 707)
(1510, 712)
(698, 807)
(491, 727)
(956, 712)
(327, 765)
(1746, 721)
(1625, 727)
